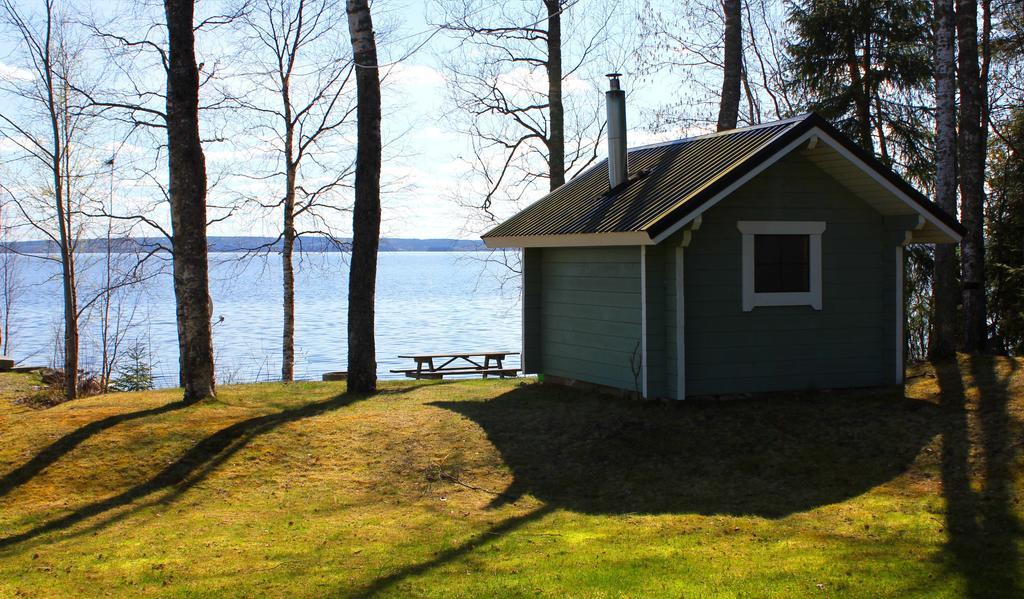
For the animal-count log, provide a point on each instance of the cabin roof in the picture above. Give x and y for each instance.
(671, 183)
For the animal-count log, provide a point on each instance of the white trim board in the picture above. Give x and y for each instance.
(522, 309)
(643, 319)
(753, 299)
(680, 323)
(900, 339)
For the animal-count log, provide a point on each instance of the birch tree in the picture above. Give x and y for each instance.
(47, 133)
(134, 103)
(10, 280)
(303, 100)
(972, 142)
(943, 337)
(362, 284)
(512, 80)
(187, 191)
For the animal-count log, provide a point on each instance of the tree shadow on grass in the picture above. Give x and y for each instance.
(768, 457)
(765, 457)
(61, 447)
(982, 529)
(194, 465)
(449, 555)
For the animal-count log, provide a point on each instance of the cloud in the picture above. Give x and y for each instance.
(408, 74)
(13, 73)
(536, 81)
(13, 144)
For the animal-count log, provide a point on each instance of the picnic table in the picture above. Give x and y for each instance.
(437, 366)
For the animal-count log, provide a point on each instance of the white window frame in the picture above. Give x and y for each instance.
(813, 229)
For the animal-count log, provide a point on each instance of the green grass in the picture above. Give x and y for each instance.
(484, 488)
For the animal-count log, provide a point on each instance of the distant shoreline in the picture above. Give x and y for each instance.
(227, 244)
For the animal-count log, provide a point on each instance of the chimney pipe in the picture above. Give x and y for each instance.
(616, 100)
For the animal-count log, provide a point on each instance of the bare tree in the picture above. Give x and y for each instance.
(695, 43)
(135, 103)
(124, 269)
(48, 132)
(943, 337)
(971, 160)
(10, 283)
(362, 362)
(187, 190)
(303, 100)
(509, 79)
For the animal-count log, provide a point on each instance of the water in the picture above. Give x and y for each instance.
(426, 302)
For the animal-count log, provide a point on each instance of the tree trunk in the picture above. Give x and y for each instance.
(57, 109)
(187, 191)
(862, 106)
(556, 114)
(70, 320)
(362, 363)
(971, 146)
(942, 341)
(288, 278)
(732, 65)
(288, 238)
(858, 68)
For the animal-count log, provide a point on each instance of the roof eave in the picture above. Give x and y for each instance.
(570, 240)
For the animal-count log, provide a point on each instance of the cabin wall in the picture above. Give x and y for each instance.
(587, 322)
(658, 327)
(850, 342)
(532, 290)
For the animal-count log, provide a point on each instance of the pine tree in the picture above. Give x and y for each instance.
(859, 64)
(1004, 222)
(137, 373)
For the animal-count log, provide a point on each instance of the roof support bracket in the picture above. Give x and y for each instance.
(688, 231)
(904, 226)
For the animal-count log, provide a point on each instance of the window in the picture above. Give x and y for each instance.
(781, 263)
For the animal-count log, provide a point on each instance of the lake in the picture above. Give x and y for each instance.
(426, 302)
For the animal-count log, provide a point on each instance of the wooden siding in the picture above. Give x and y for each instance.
(589, 312)
(850, 342)
(532, 292)
(657, 326)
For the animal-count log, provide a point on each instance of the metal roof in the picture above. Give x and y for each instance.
(670, 180)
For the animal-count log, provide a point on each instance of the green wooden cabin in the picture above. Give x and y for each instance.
(760, 259)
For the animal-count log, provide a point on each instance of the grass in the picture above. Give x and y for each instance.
(483, 488)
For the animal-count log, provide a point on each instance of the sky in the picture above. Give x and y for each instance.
(425, 163)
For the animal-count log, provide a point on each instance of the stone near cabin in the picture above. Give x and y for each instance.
(335, 376)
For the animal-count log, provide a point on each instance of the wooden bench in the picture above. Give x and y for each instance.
(485, 363)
